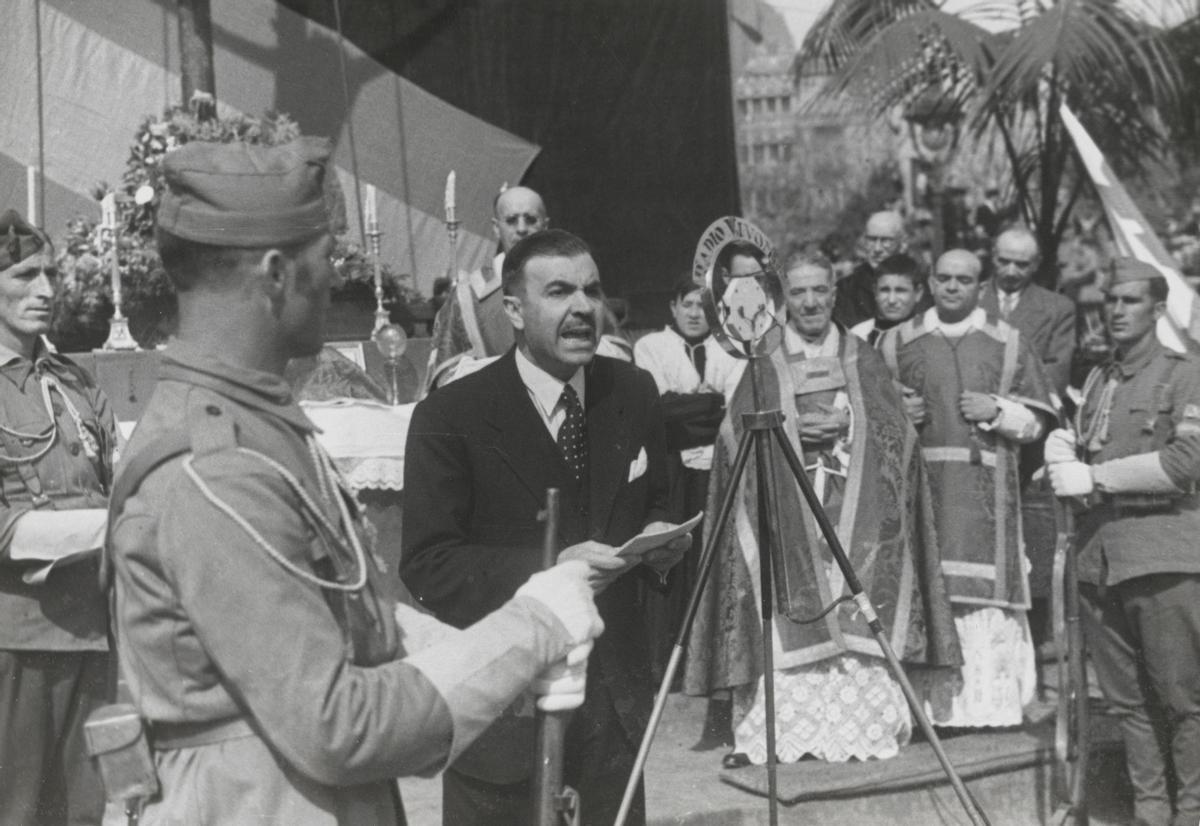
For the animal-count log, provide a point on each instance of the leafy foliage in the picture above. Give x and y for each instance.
(1116, 71)
(85, 303)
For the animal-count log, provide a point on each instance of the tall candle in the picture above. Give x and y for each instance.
(450, 210)
(108, 212)
(370, 213)
(31, 195)
(108, 220)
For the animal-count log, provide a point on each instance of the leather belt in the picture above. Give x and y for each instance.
(169, 736)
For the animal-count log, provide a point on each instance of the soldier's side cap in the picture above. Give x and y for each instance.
(19, 239)
(240, 195)
(1129, 270)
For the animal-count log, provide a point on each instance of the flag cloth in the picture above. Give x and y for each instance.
(1179, 328)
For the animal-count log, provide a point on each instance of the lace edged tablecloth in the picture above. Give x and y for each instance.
(365, 438)
(846, 707)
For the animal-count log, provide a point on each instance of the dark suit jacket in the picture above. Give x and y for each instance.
(477, 465)
(854, 300)
(1046, 320)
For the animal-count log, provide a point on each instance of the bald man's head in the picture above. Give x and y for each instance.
(955, 285)
(519, 212)
(1015, 259)
(883, 236)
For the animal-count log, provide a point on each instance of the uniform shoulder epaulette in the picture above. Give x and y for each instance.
(212, 423)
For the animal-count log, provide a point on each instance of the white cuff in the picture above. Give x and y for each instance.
(419, 631)
(1015, 421)
(481, 670)
(1140, 473)
(46, 536)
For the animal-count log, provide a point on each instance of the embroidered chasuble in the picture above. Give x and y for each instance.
(972, 470)
(875, 493)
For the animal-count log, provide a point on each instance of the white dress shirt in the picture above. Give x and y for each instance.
(546, 392)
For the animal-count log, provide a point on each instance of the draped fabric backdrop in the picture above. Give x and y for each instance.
(108, 64)
(629, 100)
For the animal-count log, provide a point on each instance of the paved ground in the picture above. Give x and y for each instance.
(684, 788)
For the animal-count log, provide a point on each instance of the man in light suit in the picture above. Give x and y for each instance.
(481, 453)
(1046, 320)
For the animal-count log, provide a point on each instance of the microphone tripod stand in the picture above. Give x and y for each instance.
(760, 427)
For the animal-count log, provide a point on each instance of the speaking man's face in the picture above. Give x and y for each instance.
(557, 310)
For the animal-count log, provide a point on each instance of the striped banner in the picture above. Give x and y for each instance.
(1179, 328)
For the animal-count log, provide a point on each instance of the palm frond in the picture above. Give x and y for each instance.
(923, 49)
(843, 27)
(1080, 40)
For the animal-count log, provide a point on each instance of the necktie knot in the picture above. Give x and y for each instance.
(572, 435)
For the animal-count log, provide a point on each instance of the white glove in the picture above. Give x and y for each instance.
(1071, 478)
(1060, 447)
(564, 589)
(562, 686)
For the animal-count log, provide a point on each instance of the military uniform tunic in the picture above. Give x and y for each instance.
(1139, 568)
(267, 694)
(53, 633)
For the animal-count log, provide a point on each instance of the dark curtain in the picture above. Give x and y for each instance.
(630, 100)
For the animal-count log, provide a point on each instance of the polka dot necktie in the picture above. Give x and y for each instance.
(572, 436)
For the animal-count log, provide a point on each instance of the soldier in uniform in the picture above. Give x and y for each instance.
(279, 679)
(57, 438)
(471, 325)
(1135, 455)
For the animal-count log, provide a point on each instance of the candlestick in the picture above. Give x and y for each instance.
(31, 195)
(119, 337)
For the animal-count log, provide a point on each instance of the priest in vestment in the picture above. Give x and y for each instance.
(835, 697)
(471, 328)
(985, 393)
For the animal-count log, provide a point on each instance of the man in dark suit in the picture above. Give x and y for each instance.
(481, 453)
(883, 236)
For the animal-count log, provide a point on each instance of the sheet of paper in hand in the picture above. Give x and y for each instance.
(648, 540)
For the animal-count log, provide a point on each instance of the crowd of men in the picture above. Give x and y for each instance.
(230, 570)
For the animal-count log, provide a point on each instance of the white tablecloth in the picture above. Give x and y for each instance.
(366, 440)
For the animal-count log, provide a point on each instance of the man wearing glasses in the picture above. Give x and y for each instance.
(883, 236)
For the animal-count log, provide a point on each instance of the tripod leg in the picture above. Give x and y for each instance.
(969, 803)
(706, 563)
(766, 561)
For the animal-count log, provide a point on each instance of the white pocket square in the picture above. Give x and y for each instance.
(638, 466)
